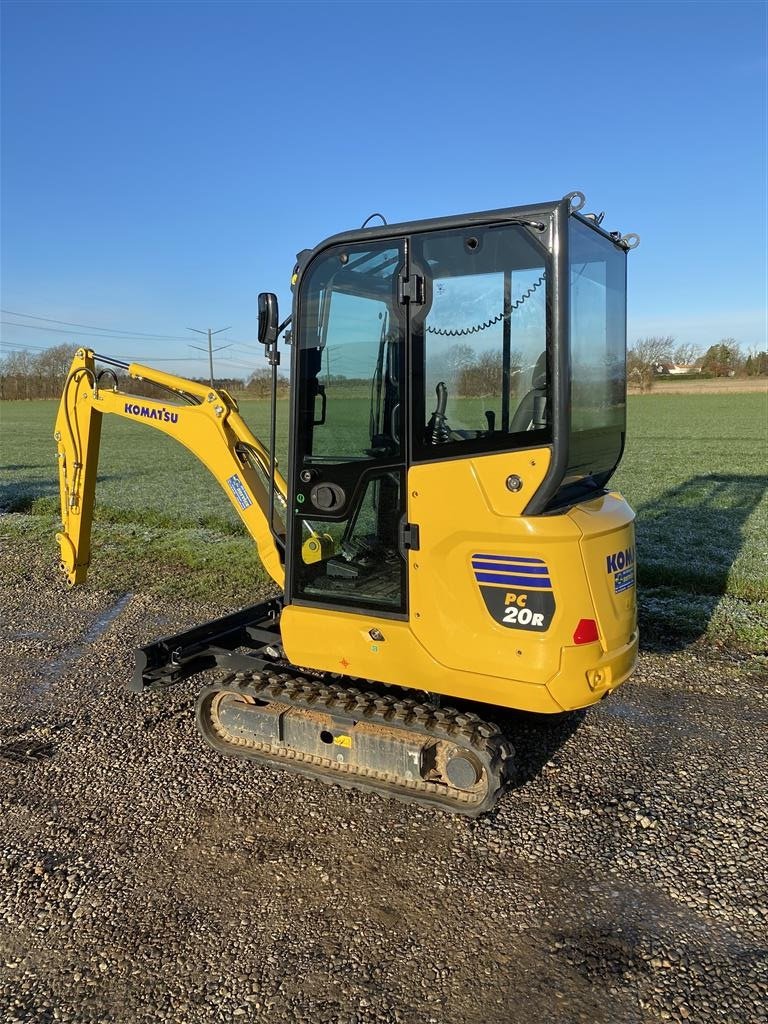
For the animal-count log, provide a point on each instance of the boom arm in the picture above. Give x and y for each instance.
(204, 420)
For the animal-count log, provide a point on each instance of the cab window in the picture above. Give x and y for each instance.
(481, 346)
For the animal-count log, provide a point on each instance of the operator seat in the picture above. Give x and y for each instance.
(531, 413)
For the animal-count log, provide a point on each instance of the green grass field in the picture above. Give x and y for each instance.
(694, 470)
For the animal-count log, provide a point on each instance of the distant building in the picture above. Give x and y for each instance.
(682, 370)
(675, 369)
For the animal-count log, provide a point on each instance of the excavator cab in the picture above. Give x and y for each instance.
(442, 348)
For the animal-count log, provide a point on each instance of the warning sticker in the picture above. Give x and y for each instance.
(239, 491)
(623, 579)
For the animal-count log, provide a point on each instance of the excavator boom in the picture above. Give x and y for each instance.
(204, 420)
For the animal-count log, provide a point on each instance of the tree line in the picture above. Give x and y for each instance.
(471, 373)
(649, 358)
(28, 375)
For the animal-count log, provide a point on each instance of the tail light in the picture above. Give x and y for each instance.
(585, 632)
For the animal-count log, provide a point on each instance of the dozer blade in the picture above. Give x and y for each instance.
(374, 742)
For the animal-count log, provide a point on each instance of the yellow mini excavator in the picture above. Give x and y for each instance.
(445, 527)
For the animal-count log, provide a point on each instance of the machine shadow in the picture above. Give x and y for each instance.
(536, 739)
(688, 540)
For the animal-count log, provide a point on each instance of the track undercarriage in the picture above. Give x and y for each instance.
(359, 738)
(336, 729)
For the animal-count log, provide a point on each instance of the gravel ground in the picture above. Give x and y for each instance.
(144, 878)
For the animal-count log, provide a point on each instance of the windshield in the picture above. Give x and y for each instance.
(598, 343)
(598, 330)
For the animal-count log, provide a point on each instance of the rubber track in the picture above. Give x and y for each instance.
(464, 729)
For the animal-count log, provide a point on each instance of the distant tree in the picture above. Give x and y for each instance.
(756, 364)
(448, 364)
(723, 359)
(481, 376)
(17, 375)
(52, 366)
(484, 376)
(457, 357)
(259, 384)
(229, 384)
(685, 354)
(643, 358)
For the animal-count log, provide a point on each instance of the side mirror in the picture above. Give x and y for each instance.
(269, 318)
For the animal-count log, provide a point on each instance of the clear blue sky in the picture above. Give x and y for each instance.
(163, 163)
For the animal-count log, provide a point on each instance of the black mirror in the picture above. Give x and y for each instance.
(269, 318)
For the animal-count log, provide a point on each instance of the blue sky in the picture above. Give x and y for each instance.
(163, 163)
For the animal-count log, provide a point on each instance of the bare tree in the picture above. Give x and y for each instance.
(25, 375)
(484, 376)
(686, 354)
(52, 366)
(17, 375)
(645, 356)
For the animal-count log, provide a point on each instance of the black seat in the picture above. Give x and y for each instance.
(531, 413)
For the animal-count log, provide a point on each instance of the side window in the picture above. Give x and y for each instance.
(598, 331)
(356, 341)
(350, 355)
(483, 350)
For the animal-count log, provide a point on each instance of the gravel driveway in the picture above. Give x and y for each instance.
(144, 878)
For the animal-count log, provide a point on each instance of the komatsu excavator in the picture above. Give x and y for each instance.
(445, 527)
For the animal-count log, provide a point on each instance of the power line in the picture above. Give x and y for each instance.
(93, 327)
(22, 345)
(115, 333)
(82, 334)
(104, 330)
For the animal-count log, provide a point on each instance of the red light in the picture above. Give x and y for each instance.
(585, 632)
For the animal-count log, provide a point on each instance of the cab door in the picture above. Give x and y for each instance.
(348, 425)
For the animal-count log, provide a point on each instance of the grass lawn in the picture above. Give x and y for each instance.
(694, 470)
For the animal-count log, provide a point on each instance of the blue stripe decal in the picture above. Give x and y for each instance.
(536, 570)
(538, 583)
(509, 558)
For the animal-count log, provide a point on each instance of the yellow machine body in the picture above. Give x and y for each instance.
(450, 642)
(445, 525)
